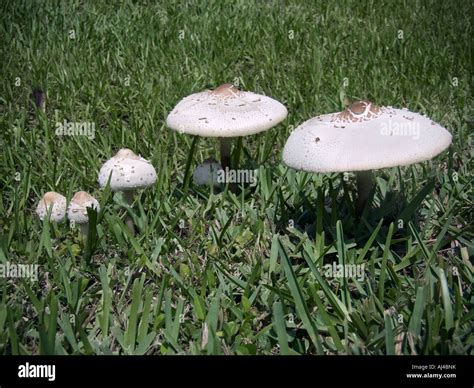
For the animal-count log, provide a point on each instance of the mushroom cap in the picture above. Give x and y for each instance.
(57, 201)
(206, 172)
(364, 137)
(129, 172)
(77, 210)
(225, 112)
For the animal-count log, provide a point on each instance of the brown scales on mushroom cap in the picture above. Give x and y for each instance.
(127, 153)
(50, 197)
(81, 197)
(226, 90)
(359, 111)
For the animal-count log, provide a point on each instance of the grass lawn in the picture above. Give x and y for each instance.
(213, 272)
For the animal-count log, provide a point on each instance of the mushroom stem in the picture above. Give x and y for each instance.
(226, 146)
(84, 230)
(365, 182)
(128, 196)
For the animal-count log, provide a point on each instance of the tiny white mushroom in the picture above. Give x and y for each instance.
(362, 138)
(58, 204)
(207, 173)
(128, 172)
(77, 211)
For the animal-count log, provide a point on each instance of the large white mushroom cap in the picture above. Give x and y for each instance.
(225, 112)
(128, 170)
(364, 137)
(58, 203)
(207, 172)
(77, 211)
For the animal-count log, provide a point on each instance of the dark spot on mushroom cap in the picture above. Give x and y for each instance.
(225, 90)
(317, 140)
(358, 107)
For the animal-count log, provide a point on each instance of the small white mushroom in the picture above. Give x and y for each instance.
(362, 138)
(207, 172)
(77, 211)
(225, 112)
(128, 172)
(58, 204)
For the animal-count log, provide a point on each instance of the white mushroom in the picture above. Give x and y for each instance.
(128, 172)
(58, 204)
(362, 138)
(77, 211)
(207, 172)
(225, 112)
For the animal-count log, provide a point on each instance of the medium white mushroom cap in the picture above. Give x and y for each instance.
(58, 203)
(225, 112)
(207, 172)
(129, 172)
(77, 211)
(364, 137)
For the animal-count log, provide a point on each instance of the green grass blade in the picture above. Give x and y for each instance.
(280, 328)
(301, 307)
